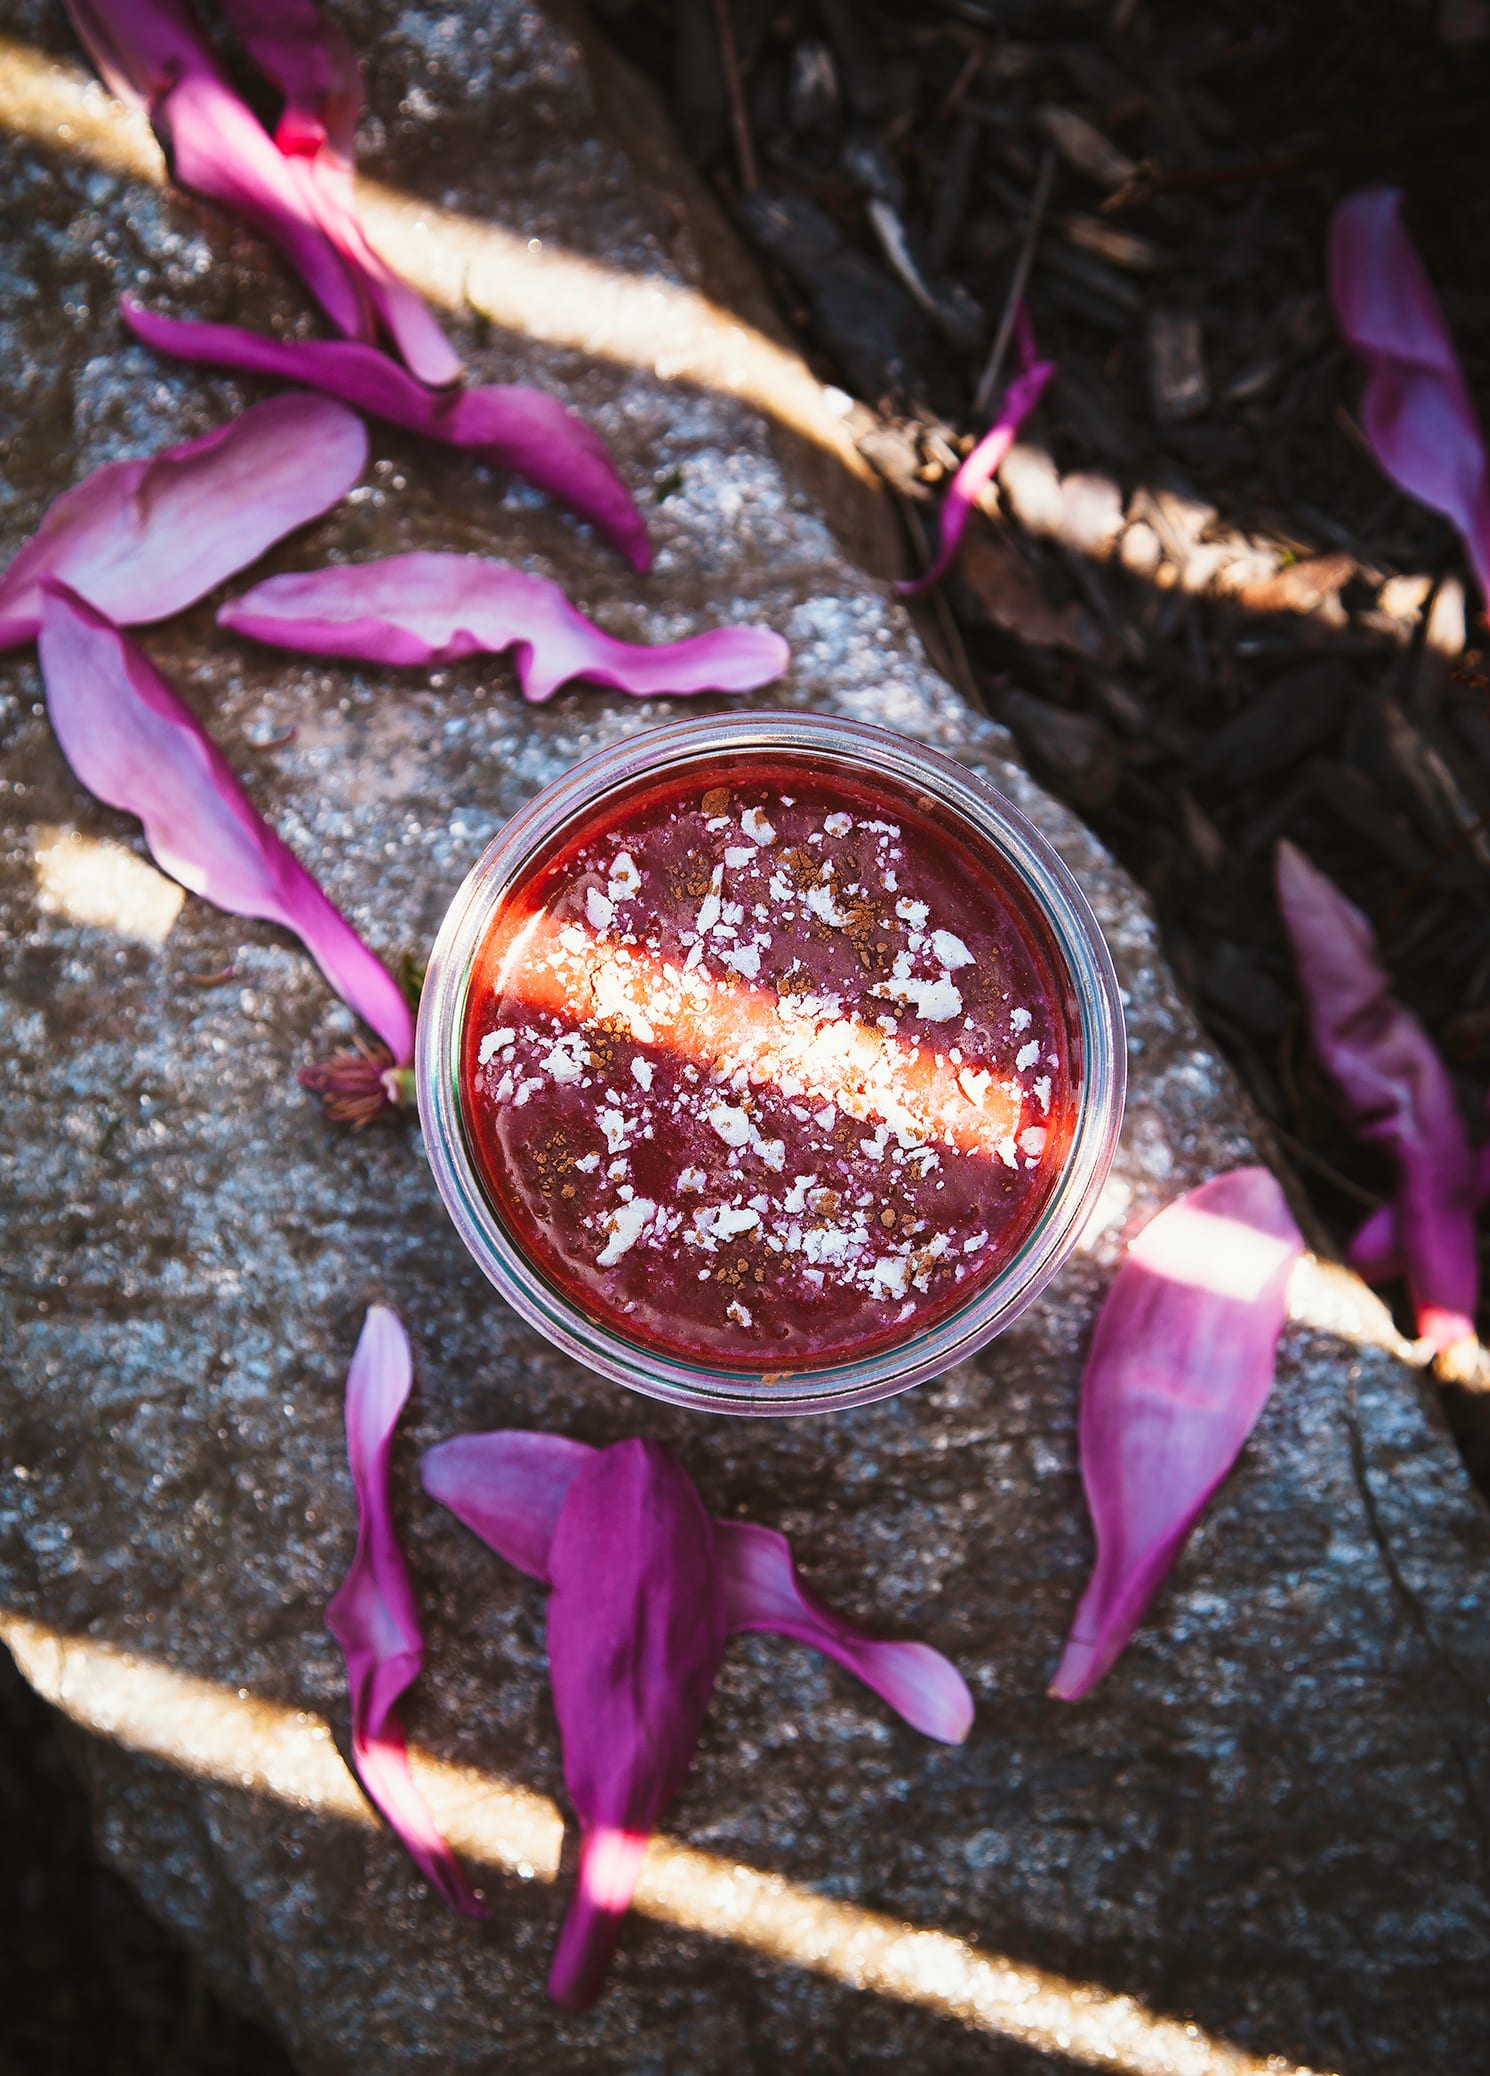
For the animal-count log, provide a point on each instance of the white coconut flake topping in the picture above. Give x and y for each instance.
(756, 827)
(732, 1125)
(641, 1072)
(950, 951)
(838, 824)
(912, 912)
(599, 913)
(1026, 1055)
(625, 881)
(624, 1228)
(493, 1043)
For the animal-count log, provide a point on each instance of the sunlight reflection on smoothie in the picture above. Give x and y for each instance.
(585, 978)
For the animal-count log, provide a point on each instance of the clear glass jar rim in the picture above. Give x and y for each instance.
(669, 747)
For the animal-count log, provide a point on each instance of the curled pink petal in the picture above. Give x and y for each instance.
(636, 1632)
(132, 743)
(433, 608)
(141, 539)
(508, 1488)
(152, 53)
(979, 469)
(1396, 1090)
(1416, 412)
(762, 1591)
(514, 428)
(1181, 1365)
(373, 1616)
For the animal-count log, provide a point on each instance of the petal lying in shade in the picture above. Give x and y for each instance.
(763, 1592)
(373, 1616)
(514, 428)
(1396, 1090)
(1416, 412)
(152, 53)
(142, 539)
(1181, 1365)
(433, 608)
(985, 461)
(132, 743)
(635, 1637)
(1376, 1251)
(316, 70)
(508, 1488)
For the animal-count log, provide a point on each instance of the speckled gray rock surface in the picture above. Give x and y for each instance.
(1270, 1819)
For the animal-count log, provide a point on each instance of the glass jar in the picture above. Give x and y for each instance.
(1035, 887)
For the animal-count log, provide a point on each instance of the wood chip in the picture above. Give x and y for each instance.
(1082, 145)
(1177, 377)
(1123, 249)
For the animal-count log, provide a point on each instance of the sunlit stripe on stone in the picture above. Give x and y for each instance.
(103, 886)
(234, 1737)
(459, 262)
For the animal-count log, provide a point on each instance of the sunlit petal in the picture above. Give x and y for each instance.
(373, 1616)
(133, 744)
(1179, 1369)
(433, 608)
(141, 539)
(762, 1591)
(1416, 412)
(512, 427)
(1396, 1091)
(636, 1631)
(508, 1488)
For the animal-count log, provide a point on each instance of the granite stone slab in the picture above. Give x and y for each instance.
(1268, 1823)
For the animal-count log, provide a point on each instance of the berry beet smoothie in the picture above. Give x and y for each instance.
(769, 1069)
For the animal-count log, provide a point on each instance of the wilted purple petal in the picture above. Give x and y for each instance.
(1376, 1251)
(433, 608)
(1181, 1365)
(132, 743)
(635, 1635)
(1396, 1090)
(1416, 412)
(508, 1488)
(514, 428)
(762, 1591)
(141, 539)
(373, 1616)
(152, 53)
(981, 466)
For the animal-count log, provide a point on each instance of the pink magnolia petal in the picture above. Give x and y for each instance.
(1416, 413)
(610, 1861)
(512, 427)
(316, 70)
(151, 52)
(1376, 1251)
(636, 1631)
(372, 1614)
(508, 1487)
(312, 64)
(1181, 1365)
(432, 608)
(762, 1591)
(133, 744)
(141, 539)
(979, 469)
(1396, 1091)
